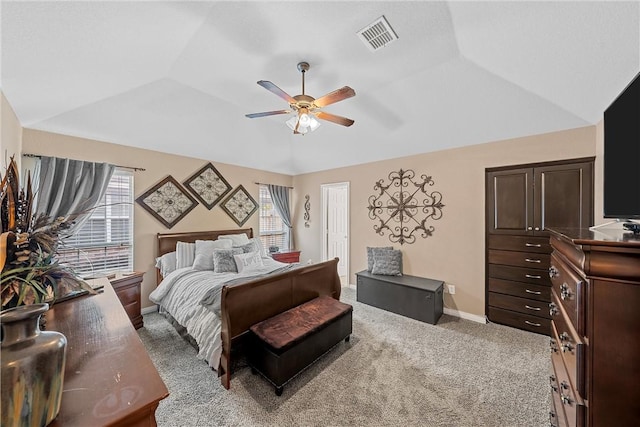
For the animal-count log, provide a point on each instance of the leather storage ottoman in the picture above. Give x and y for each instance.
(284, 345)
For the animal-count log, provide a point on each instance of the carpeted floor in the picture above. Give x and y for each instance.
(394, 371)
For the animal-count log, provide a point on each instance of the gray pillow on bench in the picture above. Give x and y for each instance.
(370, 255)
(387, 262)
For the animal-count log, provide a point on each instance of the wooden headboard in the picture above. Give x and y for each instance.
(167, 241)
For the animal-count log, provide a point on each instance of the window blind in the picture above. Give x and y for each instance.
(273, 232)
(104, 243)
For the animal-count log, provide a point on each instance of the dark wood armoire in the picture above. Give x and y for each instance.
(521, 202)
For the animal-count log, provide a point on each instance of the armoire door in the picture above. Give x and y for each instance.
(563, 196)
(510, 201)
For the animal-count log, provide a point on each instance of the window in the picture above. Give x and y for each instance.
(273, 232)
(104, 243)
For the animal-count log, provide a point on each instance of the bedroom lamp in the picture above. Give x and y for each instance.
(306, 122)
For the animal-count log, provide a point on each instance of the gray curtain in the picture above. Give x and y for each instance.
(71, 187)
(280, 197)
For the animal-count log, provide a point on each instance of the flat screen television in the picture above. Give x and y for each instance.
(622, 154)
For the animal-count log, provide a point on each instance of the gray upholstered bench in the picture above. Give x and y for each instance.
(284, 345)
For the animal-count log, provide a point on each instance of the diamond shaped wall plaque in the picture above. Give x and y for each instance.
(167, 201)
(239, 205)
(208, 186)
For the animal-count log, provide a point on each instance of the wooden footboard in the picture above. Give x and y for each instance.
(252, 302)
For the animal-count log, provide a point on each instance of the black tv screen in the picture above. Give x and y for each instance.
(622, 154)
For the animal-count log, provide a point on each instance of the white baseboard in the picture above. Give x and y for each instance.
(148, 310)
(464, 315)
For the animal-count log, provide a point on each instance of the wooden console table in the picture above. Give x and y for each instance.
(109, 378)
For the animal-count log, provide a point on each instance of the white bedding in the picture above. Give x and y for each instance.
(180, 294)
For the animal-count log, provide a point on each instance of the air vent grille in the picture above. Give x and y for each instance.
(378, 34)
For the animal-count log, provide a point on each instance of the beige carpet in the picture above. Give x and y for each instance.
(394, 371)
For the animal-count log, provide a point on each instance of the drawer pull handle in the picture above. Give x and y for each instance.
(533, 245)
(553, 346)
(537, 325)
(528, 307)
(537, 261)
(565, 292)
(566, 400)
(552, 416)
(553, 309)
(553, 272)
(529, 291)
(567, 348)
(532, 276)
(552, 380)
(564, 385)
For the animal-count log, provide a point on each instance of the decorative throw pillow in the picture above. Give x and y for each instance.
(223, 261)
(185, 253)
(260, 248)
(166, 263)
(204, 253)
(236, 239)
(248, 261)
(370, 255)
(387, 262)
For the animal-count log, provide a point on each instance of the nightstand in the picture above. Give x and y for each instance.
(127, 287)
(289, 256)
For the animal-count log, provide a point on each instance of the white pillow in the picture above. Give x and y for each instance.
(248, 262)
(166, 263)
(236, 239)
(204, 253)
(185, 253)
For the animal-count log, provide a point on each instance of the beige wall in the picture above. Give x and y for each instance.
(455, 253)
(158, 166)
(11, 134)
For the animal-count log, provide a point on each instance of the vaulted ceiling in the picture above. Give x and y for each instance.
(179, 76)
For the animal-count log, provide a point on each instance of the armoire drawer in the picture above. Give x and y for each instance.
(520, 320)
(519, 274)
(520, 243)
(521, 305)
(519, 259)
(569, 288)
(520, 289)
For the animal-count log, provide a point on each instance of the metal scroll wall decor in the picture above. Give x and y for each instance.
(307, 208)
(167, 201)
(208, 185)
(404, 205)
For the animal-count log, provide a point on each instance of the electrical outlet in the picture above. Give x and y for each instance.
(451, 289)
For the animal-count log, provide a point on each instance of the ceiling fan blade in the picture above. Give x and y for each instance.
(267, 113)
(335, 119)
(275, 89)
(335, 96)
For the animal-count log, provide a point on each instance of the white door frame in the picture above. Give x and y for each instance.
(325, 207)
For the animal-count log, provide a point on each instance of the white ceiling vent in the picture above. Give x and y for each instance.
(378, 34)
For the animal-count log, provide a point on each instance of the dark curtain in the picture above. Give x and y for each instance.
(71, 187)
(280, 197)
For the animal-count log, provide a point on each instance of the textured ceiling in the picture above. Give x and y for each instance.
(178, 77)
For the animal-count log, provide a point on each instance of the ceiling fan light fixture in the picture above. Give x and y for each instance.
(306, 123)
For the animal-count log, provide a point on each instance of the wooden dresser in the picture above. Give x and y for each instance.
(521, 202)
(595, 341)
(109, 378)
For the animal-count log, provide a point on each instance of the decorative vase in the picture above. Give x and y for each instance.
(32, 368)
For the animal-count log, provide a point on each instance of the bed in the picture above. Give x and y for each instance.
(217, 309)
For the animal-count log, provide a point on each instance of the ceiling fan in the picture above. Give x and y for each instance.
(306, 107)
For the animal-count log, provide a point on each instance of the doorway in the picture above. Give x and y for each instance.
(335, 226)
